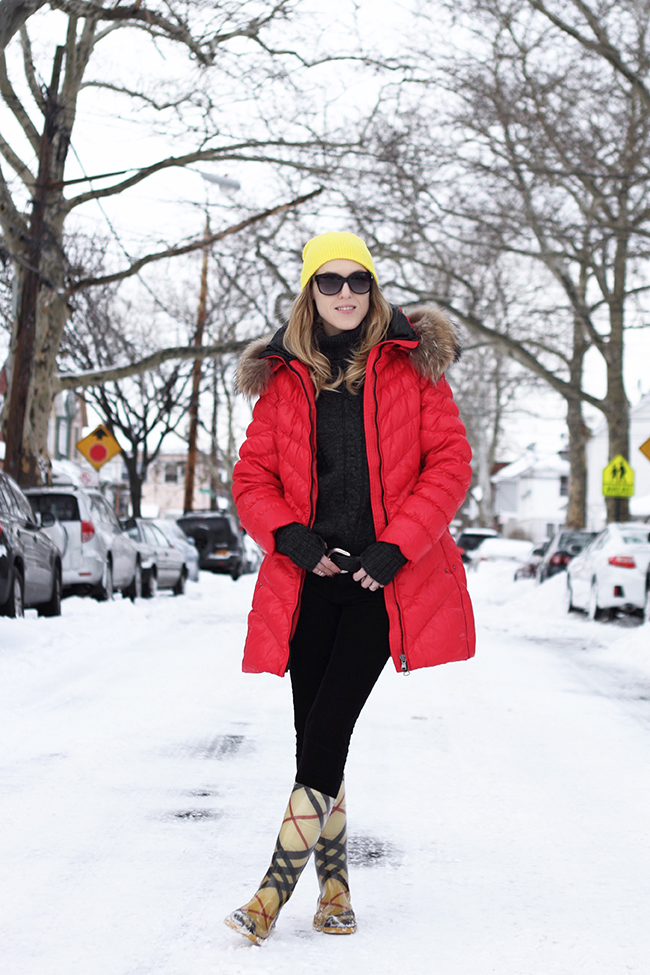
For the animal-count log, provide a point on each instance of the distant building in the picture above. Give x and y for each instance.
(598, 458)
(164, 488)
(530, 495)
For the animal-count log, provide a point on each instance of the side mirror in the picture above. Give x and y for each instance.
(46, 519)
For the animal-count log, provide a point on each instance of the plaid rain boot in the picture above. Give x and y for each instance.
(334, 914)
(302, 825)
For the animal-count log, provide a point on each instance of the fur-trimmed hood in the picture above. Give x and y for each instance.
(436, 350)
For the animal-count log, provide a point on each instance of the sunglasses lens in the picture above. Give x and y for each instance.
(360, 282)
(331, 284)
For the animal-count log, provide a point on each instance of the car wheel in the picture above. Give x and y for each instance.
(568, 597)
(134, 590)
(235, 574)
(179, 588)
(15, 605)
(53, 606)
(150, 585)
(105, 592)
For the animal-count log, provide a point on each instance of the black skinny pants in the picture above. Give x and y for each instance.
(338, 651)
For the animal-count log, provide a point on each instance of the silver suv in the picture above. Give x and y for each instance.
(97, 555)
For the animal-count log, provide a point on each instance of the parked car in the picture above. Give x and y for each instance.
(175, 534)
(470, 539)
(219, 540)
(30, 562)
(528, 569)
(254, 554)
(163, 565)
(499, 550)
(98, 556)
(612, 573)
(565, 545)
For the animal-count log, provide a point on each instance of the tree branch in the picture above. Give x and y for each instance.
(30, 73)
(16, 106)
(188, 248)
(601, 45)
(13, 14)
(97, 377)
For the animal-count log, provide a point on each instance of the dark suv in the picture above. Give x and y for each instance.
(218, 539)
(30, 563)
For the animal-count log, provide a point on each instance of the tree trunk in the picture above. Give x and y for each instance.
(618, 406)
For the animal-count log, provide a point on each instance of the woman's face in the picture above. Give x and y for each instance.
(344, 311)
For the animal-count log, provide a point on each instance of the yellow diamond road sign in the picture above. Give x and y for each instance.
(99, 446)
(645, 448)
(618, 479)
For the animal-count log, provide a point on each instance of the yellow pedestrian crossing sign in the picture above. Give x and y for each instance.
(99, 446)
(618, 479)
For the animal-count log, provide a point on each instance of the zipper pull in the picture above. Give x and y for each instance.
(405, 666)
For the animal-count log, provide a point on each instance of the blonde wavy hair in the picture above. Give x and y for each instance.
(300, 340)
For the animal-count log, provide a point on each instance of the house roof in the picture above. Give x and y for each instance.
(533, 464)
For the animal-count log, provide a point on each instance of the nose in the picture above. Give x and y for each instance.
(345, 290)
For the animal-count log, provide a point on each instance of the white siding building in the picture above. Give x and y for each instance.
(530, 495)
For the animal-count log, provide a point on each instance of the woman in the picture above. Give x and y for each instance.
(354, 465)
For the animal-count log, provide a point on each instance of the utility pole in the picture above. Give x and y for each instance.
(16, 463)
(190, 468)
(214, 449)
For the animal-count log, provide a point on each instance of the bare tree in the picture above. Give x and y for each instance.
(36, 206)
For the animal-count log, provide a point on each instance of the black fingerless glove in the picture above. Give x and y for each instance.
(303, 546)
(382, 561)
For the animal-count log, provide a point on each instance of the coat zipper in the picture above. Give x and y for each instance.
(402, 657)
(312, 510)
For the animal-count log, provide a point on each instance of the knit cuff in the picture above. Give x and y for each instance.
(382, 561)
(303, 546)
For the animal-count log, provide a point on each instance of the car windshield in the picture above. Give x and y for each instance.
(62, 506)
(469, 541)
(218, 528)
(576, 539)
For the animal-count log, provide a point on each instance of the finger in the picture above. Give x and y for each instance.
(330, 566)
(359, 574)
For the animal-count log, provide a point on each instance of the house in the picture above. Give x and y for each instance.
(530, 495)
(598, 457)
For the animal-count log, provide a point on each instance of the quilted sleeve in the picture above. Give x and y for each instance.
(257, 489)
(444, 477)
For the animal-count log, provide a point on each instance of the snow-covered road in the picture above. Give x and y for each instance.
(499, 809)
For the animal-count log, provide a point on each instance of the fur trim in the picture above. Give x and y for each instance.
(253, 373)
(437, 350)
(438, 346)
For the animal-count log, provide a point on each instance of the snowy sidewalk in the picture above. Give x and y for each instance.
(498, 808)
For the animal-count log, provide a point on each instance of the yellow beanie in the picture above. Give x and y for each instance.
(333, 247)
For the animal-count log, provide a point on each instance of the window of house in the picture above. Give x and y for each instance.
(564, 486)
(171, 473)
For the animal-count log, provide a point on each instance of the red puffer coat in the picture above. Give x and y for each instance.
(418, 460)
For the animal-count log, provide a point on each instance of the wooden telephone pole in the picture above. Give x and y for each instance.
(190, 468)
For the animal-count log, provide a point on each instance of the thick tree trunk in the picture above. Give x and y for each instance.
(578, 436)
(618, 406)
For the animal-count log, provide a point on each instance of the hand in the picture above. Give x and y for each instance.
(326, 568)
(366, 581)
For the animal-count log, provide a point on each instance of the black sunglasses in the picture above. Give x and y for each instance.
(330, 284)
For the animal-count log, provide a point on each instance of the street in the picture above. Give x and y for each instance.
(498, 808)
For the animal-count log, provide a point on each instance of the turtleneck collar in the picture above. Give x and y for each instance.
(338, 346)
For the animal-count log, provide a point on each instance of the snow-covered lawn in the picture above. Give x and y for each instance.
(499, 808)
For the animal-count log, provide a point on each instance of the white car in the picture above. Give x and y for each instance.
(175, 534)
(612, 572)
(97, 556)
